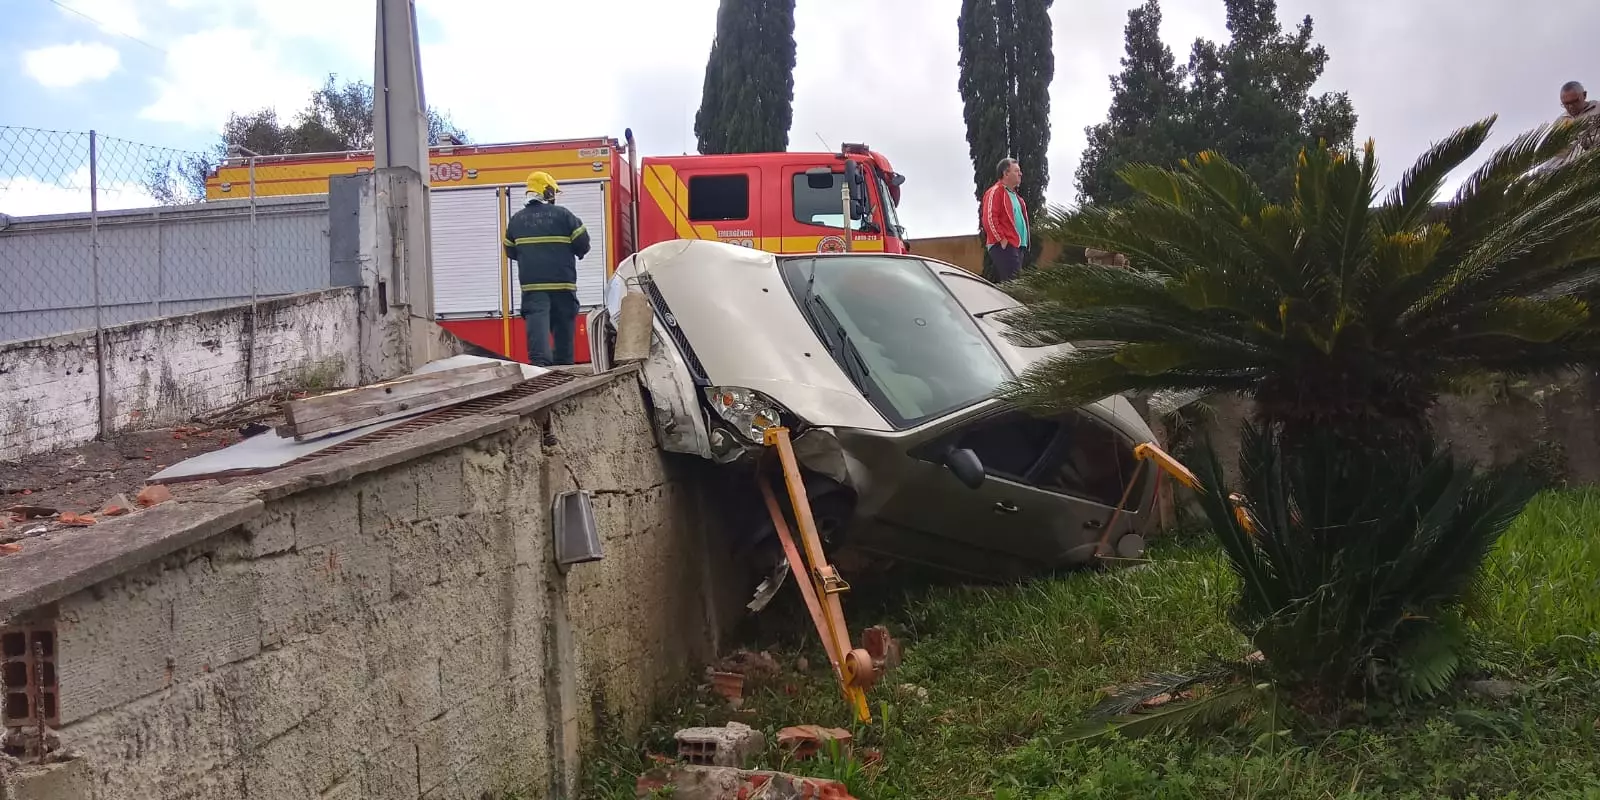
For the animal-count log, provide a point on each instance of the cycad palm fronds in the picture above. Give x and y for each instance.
(1360, 563)
(1330, 307)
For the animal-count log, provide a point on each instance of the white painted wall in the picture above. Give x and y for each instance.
(164, 371)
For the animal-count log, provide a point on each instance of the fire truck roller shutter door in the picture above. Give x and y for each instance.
(587, 199)
(465, 240)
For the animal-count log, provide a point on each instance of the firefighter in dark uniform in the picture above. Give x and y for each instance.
(546, 241)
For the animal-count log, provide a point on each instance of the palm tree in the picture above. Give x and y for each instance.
(1332, 311)
(1344, 319)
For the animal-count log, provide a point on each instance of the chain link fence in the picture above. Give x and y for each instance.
(97, 231)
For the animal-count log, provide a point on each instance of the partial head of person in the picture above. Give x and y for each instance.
(1010, 173)
(542, 187)
(1574, 97)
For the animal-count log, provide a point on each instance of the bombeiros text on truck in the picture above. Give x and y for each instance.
(778, 202)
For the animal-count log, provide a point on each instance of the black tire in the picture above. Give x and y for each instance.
(831, 509)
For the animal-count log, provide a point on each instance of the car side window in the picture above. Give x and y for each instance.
(1087, 460)
(1009, 444)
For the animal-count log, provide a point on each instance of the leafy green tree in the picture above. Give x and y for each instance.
(747, 103)
(1248, 99)
(1147, 121)
(337, 117)
(1344, 319)
(1006, 66)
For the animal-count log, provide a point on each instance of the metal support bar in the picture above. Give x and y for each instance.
(107, 415)
(1171, 466)
(853, 666)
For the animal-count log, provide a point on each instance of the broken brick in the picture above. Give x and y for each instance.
(755, 666)
(116, 506)
(732, 745)
(724, 783)
(804, 741)
(154, 494)
(882, 647)
(9, 547)
(75, 520)
(729, 686)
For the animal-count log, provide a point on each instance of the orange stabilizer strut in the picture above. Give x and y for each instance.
(1164, 461)
(820, 583)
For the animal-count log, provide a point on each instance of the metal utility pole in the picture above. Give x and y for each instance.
(400, 150)
(255, 276)
(399, 110)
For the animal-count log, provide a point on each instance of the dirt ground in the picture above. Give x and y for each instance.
(36, 491)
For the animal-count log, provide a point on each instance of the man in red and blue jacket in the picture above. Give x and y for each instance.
(1005, 223)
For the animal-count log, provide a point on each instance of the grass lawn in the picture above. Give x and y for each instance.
(992, 677)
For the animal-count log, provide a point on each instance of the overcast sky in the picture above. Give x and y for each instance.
(167, 72)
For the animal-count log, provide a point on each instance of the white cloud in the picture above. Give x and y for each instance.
(214, 72)
(638, 63)
(113, 16)
(513, 70)
(348, 24)
(26, 195)
(66, 65)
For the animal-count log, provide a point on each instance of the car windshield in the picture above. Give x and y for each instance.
(893, 327)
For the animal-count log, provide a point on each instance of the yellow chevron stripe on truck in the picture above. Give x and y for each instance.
(665, 189)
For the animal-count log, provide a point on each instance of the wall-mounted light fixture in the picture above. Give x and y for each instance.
(577, 537)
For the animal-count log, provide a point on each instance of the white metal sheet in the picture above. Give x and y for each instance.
(465, 238)
(268, 450)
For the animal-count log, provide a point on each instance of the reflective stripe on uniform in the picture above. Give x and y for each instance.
(547, 239)
(549, 287)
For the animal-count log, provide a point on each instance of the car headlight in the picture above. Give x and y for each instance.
(750, 412)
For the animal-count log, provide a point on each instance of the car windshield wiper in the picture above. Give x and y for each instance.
(854, 365)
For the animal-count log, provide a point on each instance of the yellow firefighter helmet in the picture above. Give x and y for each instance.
(541, 185)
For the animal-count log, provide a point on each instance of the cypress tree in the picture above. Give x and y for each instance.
(1006, 65)
(747, 103)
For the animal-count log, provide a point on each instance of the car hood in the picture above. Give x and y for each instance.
(745, 330)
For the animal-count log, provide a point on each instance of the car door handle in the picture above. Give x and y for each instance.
(1003, 507)
(1094, 524)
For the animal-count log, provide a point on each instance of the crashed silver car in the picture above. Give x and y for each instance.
(885, 368)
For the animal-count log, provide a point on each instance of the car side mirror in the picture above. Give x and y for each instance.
(966, 465)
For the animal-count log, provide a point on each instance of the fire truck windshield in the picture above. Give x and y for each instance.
(891, 215)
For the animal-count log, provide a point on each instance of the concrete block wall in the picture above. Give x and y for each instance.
(1554, 422)
(166, 370)
(389, 623)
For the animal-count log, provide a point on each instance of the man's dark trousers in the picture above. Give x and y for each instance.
(550, 315)
(1005, 263)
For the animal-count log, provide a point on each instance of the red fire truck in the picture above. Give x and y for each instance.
(780, 202)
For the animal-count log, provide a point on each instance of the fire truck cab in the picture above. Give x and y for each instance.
(779, 202)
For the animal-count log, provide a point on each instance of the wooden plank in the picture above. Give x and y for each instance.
(305, 411)
(354, 408)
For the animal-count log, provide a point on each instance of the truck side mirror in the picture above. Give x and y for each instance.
(858, 189)
(819, 178)
(966, 465)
